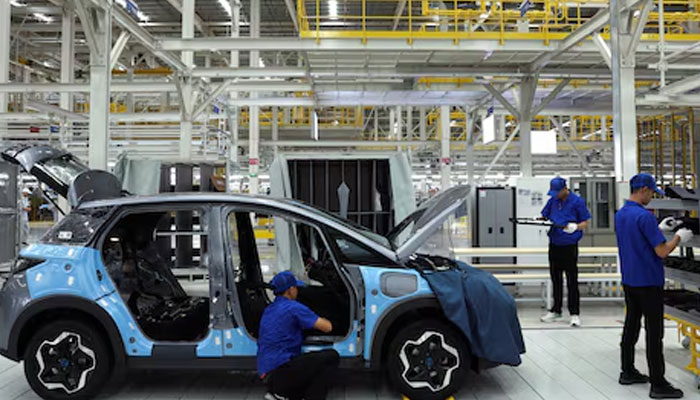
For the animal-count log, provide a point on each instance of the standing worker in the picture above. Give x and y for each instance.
(569, 214)
(642, 247)
(289, 374)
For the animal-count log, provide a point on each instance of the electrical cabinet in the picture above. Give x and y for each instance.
(495, 207)
(599, 195)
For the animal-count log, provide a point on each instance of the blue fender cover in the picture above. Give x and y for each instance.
(480, 306)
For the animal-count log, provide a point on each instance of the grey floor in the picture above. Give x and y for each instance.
(559, 364)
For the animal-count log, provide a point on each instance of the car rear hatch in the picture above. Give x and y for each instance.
(408, 236)
(63, 172)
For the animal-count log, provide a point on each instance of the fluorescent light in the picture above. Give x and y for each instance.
(43, 17)
(226, 5)
(16, 3)
(488, 129)
(333, 9)
(131, 6)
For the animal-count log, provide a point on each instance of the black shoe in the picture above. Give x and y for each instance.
(633, 377)
(665, 391)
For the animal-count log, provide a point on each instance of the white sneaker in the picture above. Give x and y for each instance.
(575, 321)
(550, 317)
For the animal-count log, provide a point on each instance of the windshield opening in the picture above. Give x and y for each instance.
(366, 232)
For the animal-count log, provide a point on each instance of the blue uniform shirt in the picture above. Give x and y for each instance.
(573, 209)
(281, 335)
(638, 234)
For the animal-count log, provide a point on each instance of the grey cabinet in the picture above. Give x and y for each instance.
(494, 209)
(599, 195)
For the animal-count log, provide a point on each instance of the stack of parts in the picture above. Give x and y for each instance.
(683, 264)
(683, 300)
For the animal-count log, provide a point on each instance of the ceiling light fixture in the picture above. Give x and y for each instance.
(132, 8)
(16, 3)
(43, 17)
(333, 9)
(226, 5)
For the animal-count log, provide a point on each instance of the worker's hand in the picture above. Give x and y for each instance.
(668, 224)
(685, 234)
(571, 227)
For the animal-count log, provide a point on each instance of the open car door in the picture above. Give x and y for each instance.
(410, 234)
(63, 172)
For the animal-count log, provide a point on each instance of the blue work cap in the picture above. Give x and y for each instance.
(644, 180)
(283, 281)
(556, 185)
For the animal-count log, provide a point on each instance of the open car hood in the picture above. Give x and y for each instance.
(63, 172)
(410, 234)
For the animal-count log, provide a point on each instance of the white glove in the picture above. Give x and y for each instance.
(668, 224)
(571, 227)
(685, 234)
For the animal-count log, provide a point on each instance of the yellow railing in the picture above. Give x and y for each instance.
(329, 117)
(473, 19)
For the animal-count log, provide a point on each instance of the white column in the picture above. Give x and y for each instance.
(445, 161)
(376, 123)
(409, 123)
(233, 110)
(399, 123)
(422, 127)
(186, 102)
(254, 126)
(100, 76)
(275, 129)
(5, 20)
(624, 111)
(130, 95)
(27, 79)
(67, 55)
(392, 123)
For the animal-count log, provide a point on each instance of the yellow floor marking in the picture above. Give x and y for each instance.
(406, 398)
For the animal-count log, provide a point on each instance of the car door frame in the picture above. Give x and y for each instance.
(232, 290)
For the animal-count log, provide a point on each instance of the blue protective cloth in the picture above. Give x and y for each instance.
(479, 305)
(637, 236)
(281, 332)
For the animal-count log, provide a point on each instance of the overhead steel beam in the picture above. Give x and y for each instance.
(682, 85)
(604, 49)
(400, 6)
(639, 29)
(198, 22)
(292, 13)
(214, 94)
(551, 96)
(117, 48)
(501, 150)
(55, 110)
(128, 23)
(502, 100)
(589, 27)
(245, 72)
(560, 131)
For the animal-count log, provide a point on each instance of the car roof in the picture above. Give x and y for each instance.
(285, 204)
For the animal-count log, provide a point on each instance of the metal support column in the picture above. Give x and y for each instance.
(624, 37)
(232, 161)
(5, 22)
(445, 160)
(275, 130)
(97, 25)
(422, 128)
(67, 54)
(254, 125)
(527, 95)
(186, 88)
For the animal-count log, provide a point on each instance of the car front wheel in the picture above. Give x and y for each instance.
(67, 360)
(428, 360)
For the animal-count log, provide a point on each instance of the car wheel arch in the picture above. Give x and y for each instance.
(72, 307)
(395, 317)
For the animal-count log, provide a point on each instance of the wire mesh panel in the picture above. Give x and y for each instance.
(359, 190)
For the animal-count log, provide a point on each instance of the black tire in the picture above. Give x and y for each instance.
(411, 360)
(68, 350)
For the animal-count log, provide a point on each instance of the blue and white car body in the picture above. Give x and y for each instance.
(64, 277)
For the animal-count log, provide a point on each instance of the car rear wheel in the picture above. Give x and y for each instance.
(428, 360)
(67, 360)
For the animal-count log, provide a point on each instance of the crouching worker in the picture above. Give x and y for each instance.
(290, 374)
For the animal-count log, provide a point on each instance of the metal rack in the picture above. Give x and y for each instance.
(688, 324)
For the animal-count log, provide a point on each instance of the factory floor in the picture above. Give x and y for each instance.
(560, 363)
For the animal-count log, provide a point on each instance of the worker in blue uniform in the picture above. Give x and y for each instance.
(569, 216)
(642, 247)
(290, 374)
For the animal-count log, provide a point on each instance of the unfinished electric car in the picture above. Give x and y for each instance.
(179, 281)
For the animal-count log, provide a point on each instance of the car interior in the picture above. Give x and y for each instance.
(140, 257)
(326, 292)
